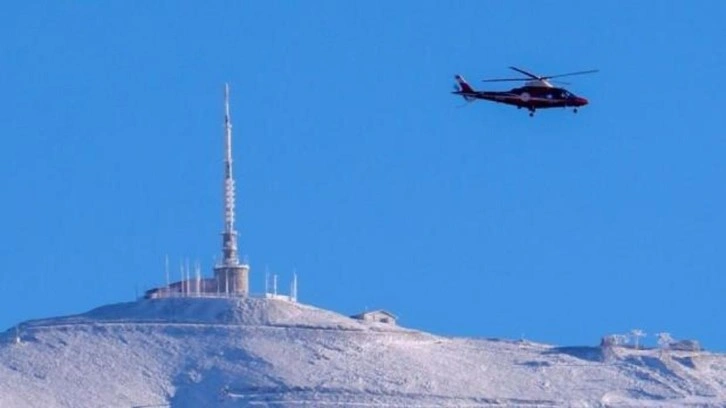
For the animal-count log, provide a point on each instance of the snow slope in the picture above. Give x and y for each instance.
(210, 352)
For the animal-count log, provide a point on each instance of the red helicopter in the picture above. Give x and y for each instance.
(537, 92)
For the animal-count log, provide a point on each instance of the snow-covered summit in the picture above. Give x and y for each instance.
(206, 352)
(249, 311)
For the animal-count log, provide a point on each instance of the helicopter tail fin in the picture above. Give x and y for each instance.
(463, 88)
(463, 85)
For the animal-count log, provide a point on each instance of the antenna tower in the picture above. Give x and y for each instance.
(293, 287)
(230, 273)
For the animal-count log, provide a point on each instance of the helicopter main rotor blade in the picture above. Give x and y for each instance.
(591, 71)
(529, 74)
(505, 79)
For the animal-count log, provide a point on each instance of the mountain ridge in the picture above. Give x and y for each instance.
(190, 352)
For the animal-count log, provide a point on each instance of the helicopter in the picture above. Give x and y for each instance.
(537, 92)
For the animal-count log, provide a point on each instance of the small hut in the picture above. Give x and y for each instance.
(379, 316)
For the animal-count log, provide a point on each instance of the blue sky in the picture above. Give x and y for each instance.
(358, 169)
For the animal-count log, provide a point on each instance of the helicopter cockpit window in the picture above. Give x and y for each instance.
(566, 94)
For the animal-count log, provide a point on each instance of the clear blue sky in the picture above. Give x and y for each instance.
(356, 166)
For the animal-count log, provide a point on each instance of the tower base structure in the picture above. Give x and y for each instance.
(232, 280)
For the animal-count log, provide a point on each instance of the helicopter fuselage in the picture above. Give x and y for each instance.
(530, 97)
(537, 92)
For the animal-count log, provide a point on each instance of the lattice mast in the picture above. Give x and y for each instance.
(232, 276)
(229, 236)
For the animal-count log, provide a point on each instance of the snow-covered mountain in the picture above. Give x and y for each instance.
(216, 352)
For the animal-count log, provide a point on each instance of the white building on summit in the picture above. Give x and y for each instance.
(231, 277)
